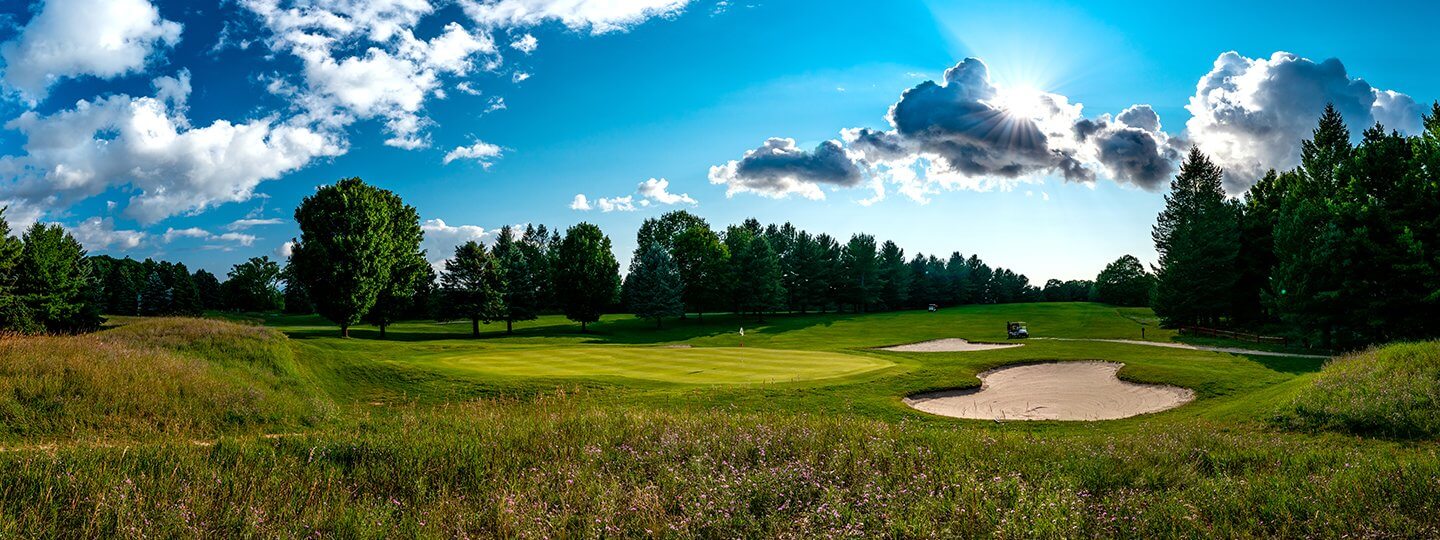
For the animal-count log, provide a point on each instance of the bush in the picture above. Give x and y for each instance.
(1390, 391)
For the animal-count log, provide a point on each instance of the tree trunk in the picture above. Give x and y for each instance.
(509, 326)
(474, 327)
(582, 328)
(382, 330)
(345, 330)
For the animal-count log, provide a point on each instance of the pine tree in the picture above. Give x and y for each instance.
(184, 295)
(523, 279)
(1197, 237)
(810, 280)
(653, 284)
(758, 286)
(895, 276)
(13, 316)
(587, 277)
(209, 287)
(155, 297)
(862, 272)
(472, 285)
(54, 281)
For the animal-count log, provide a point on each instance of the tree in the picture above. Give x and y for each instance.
(1197, 237)
(355, 241)
(472, 285)
(12, 310)
(254, 285)
(810, 280)
(654, 284)
(861, 267)
(209, 287)
(297, 301)
(54, 283)
(184, 294)
(667, 228)
(1259, 212)
(587, 277)
(522, 275)
(1123, 283)
(703, 264)
(155, 296)
(756, 270)
(895, 276)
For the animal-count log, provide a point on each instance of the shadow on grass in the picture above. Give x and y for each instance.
(1293, 365)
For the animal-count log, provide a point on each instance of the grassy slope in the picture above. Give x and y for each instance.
(609, 433)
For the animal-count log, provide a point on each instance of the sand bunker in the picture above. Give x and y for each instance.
(949, 345)
(1053, 391)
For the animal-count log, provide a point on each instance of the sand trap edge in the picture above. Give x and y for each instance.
(1186, 395)
(948, 345)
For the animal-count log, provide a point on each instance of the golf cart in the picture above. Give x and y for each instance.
(1016, 330)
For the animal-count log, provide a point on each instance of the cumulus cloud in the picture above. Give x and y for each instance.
(148, 145)
(482, 152)
(778, 168)
(526, 43)
(242, 224)
(100, 234)
(655, 191)
(1133, 148)
(285, 250)
(441, 239)
(172, 234)
(1250, 114)
(72, 38)
(595, 16)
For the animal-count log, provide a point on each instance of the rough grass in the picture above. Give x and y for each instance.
(1388, 391)
(155, 377)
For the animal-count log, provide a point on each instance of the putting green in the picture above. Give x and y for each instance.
(698, 365)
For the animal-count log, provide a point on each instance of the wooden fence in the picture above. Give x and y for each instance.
(1242, 336)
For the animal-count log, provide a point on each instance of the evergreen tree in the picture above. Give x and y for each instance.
(978, 286)
(703, 263)
(758, 286)
(1197, 237)
(1123, 283)
(353, 239)
(473, 284)
(184, 295)
(958, 287)
(13, 316)
(1259, 211)
(155, 297)
(832, 272)
(895, 276)
(862, 272)
(587, 277)
(210, 292)
(810, 279)
(520, 264)
(653, 284)
(54, 283)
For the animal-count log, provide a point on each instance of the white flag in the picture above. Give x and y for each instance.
(742, 331)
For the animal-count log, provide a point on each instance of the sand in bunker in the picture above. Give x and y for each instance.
(949, 345)
(1053, 391)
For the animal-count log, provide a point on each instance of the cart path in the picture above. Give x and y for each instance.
(1231, 350)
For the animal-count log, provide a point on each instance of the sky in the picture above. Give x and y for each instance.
(1039, 135)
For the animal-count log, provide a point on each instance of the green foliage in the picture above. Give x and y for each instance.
(755, 269)
(356, 240)
(703, 263)
(54, 283)
(1197, 237)
(895, 276)
(667, 228)
(653, 285)
(860, 266)
(254, 285)
(524, 274)
(1123, 283)
(587, 277)
(12, 311)
(473, 284)
(1389, 391)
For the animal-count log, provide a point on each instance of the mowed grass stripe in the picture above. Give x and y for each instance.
(701, 365)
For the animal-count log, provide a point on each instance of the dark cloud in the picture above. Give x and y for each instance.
(779, 168)
(1133, 148)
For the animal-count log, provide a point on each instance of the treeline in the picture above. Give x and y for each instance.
(1340, 252)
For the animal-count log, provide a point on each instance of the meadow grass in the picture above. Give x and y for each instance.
(1389, 391)
(550, 433)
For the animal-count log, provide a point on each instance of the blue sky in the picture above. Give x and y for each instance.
(613, 94)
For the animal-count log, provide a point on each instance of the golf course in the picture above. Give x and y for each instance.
(272, 425)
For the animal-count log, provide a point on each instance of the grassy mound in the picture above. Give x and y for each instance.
(1390, 391)
(173, 376)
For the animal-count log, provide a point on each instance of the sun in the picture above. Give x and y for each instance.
(1021, 102)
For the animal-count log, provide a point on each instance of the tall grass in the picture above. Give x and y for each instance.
(1389, 391)
(186, 377)
(560, 467)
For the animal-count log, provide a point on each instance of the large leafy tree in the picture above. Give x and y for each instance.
(1122, 283)
(703, 264)
(1197, 237)
(587, 277)
(355, 241)
(667, 228)
(473, 284)
(254, 285)
(397, 300)
(54, 283)
(653, 285)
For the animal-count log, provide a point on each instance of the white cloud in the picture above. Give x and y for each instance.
(1250, 114)
(657, 189)
(71, 38)
(172, 234)
(100, 234)
(616, 204)
(779, 168)
(239, 238)
(519, 76)
(596, 16)
(580, 203)
(482, 152)
(441, 239)
(20, 214)
(242, 224)
(526, 43)
(285, 250)
(465, 87)
(146, 144)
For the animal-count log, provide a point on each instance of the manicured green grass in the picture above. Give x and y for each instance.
(682, 432)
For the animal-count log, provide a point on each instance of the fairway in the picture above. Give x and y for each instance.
(684, 365)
